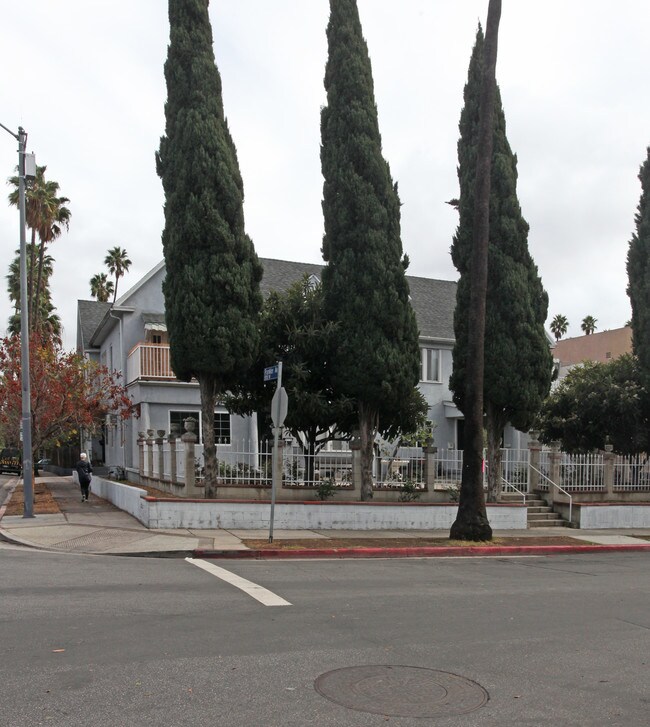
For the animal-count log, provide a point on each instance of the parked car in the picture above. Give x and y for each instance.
(42, 462)
(10, 460)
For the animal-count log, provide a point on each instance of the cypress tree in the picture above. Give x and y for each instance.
(517, 357)
(376, 361)
(638, 273)
(212, 296)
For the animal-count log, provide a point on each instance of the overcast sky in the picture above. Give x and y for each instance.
(85, 79)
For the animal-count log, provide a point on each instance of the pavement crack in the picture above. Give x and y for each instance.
(633, 623)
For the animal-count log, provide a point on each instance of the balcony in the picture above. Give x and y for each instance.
(149, 361)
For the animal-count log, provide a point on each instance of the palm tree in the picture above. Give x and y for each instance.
(44, 305)
(46, 215)
(101, 287)
(118, 263)
(559, 326)
(588, 325)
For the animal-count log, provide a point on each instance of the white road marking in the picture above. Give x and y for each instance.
(259, 593)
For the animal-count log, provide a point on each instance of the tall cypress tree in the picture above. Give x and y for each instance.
(517, 357)
(638, 273)
(376, 360)
(212, 296)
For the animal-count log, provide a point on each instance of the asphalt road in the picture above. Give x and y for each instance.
(107, 641)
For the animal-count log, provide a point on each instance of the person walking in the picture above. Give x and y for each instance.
(84, 472)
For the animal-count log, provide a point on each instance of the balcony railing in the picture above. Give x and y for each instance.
(149, 361)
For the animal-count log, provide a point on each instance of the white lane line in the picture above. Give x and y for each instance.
(259, 593)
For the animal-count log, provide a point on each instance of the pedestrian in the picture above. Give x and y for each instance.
(84, 471)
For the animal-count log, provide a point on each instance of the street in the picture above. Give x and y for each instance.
(108, 641)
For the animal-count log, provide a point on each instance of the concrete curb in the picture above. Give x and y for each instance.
(423, 552)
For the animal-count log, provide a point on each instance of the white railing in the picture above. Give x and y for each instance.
(449, 466)
(242, 463)
(408, 465)
(148, 361)
(582, 472)
(311, 470)
(514, 470)
(544, 469)
(250, 464)
(632, 473)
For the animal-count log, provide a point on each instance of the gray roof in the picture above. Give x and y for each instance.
(433, 300)
(282, 274)
(91, 313)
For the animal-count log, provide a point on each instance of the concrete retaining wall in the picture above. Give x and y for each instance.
(247, 515)
(126, 497)
(319, 516)
(598, 517)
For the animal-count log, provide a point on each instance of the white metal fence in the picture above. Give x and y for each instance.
(632, 474)
(582, 472)
(250, 464)
(407, 467)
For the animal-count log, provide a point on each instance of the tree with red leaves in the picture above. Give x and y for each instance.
(68, 393)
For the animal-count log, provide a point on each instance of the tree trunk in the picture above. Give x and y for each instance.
(494, 424)
(208, 388)
(39, 278)
(471, 521)
(30, 279)
(367, 429)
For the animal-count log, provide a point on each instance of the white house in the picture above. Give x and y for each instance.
(131, 337)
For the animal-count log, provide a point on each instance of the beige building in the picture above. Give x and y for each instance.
(603, 347)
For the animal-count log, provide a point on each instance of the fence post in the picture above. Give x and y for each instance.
(608, 458)
(534, 460)
(430, 466)
(150, 441)
(141, 440)
(355, 448)
(173, 436)
(189, 440)
(161, 455)
(554, 459)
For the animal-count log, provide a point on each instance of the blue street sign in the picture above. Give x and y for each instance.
(271, 373)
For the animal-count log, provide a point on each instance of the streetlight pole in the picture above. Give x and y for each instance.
(28, 468)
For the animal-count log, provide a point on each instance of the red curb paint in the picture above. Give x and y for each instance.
(424, 552)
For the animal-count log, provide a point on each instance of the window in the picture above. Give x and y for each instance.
(430, 364)
(221, 425)
(178, 417)
(156, 338)
(221, 428)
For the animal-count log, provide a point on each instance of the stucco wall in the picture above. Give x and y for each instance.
(173, 514)
(608, 516)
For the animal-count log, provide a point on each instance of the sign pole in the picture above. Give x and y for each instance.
(276, 453)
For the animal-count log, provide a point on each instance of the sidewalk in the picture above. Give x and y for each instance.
(98, 527)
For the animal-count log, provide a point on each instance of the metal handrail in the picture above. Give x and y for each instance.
(561, 489)
(523, 494)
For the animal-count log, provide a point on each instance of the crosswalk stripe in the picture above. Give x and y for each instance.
(259, 593)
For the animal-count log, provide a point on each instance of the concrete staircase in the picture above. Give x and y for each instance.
(540, 515)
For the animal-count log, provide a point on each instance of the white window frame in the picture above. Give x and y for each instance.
(425, 368)
(197, 416)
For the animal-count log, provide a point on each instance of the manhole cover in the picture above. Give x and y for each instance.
(401, 691)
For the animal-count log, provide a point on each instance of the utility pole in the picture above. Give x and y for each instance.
(26, 168)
